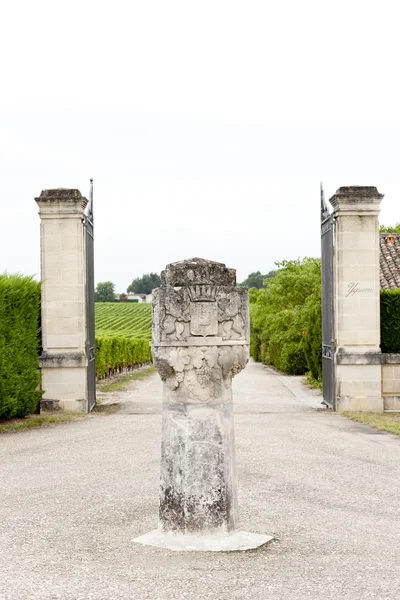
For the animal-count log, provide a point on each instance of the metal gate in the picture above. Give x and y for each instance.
(328, 323)
(90, 330)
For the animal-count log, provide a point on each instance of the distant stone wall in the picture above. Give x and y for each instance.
(391, 383)
(364, 373)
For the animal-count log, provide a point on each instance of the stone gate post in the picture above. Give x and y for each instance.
(200, 341)
(357, 299)
(63, 360)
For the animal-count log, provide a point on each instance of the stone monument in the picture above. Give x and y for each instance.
(200, 341)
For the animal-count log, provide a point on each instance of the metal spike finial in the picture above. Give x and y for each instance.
(90, 207)
(324, 205)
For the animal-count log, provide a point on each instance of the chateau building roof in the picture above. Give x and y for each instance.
(389, 258)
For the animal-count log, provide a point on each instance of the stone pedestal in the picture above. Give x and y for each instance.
(357, 298)
(63, 361)
(200, 341)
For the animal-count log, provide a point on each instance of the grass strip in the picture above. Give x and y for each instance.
(122, 383)
(30, 421)
(312, 382)
(383, 421)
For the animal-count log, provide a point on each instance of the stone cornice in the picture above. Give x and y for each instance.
(198, 272)
(357, 199)
(61, 200)
(366, 358)
(62, 359)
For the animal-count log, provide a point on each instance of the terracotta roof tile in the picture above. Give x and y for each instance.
(389, 259)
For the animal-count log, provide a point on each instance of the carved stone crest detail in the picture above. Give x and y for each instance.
(200, 332)
(198, 372)
(200, 311)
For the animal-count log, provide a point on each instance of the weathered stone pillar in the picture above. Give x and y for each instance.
(63, 361)
(357, 299)
(200, 341)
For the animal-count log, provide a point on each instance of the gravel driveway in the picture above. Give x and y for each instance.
(73, 496)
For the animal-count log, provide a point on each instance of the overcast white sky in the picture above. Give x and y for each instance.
(207, 126)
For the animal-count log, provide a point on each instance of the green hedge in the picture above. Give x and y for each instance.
(19, 345)
(390, 321)
(113, 354)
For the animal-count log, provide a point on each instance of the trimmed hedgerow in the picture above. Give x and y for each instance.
(19, 345)
(114, 354)
(390, 321)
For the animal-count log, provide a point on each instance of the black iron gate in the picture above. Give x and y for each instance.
(90, 330)
(328, 323)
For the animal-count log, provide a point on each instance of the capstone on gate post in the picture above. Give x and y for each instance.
(200, 341)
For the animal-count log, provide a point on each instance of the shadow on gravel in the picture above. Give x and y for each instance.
(106, 409)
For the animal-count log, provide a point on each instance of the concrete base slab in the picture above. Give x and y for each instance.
(74, 406)
(223, 542)
(372, 404)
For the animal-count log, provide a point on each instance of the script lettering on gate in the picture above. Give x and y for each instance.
(354, 288)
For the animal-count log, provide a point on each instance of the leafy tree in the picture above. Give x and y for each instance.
(313, 334)
(104, 292)
(390, 228)
(257, 280)
(144, 284)
(285, 318)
